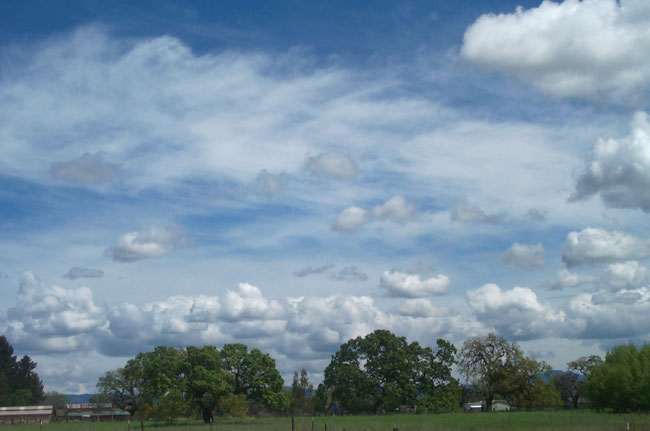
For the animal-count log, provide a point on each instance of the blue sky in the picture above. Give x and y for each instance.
(291, 175)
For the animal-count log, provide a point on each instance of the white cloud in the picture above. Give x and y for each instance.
(350, 219)
(332, 164)
(574, 48)
(400, 284)
(89, 169)
(396, 210)
(420, 307)
(48, 318)
(613, 316)
(524, 256)
(82, 272)
(271, 184)
(465, 213)
(515, 313)
(595, 245)
(156, 242)
(571, 279)
(615, 277)
(620, 170)
(625, 275)
(247, 303)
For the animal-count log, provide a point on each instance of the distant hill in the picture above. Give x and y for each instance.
(78, 398)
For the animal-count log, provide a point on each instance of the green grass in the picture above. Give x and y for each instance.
(582, 420)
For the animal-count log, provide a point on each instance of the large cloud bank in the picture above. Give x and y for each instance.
(588, 48)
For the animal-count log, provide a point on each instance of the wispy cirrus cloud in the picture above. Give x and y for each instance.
(89, 169)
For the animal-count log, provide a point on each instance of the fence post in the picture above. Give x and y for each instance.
(312, 424)
(128, 424)
(211, 421)
(41, 424)
(293, 423)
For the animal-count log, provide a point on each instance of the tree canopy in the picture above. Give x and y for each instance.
(19, 382)
(622, 382)
(381, 371)
(169, 382)
(495, 366)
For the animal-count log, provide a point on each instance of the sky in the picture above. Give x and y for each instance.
(290, 175)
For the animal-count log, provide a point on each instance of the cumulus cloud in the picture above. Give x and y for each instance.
(396, 210)
(620, 170)
(48, 318)
(465, 213)
(612, 315)
(420, 307)
(349, 273)
(247, 303)
(625, 275)
(332, 164)
(571, 279)
(524, 256)
(156, 242)
(568, 49)
(615, 277)
(82, 272)
(89, 169)
(516, 313)
(595, 245)
(308, 270)
(403, 285)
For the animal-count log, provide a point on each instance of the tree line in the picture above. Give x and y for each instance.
(378, 373)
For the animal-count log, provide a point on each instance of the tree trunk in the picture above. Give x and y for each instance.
(575, 400)
(488, 402)
(207, 415)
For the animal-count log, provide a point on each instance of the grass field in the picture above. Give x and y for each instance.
(516, 421)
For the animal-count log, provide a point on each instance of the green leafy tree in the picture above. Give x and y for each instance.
(528, 386)
(301, 393)
(55, 399)
(207, 380)
(123, 387)
(622, 381)
(439, 391)
(234, 405)
(164, 381)
(488, 363)
(568, 384)
(381, 372)
(255, 375)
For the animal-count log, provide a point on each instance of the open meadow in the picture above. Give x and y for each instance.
(516, 421)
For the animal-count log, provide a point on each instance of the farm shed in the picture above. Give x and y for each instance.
(479, 406)
(94, 413)
(25, 415)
